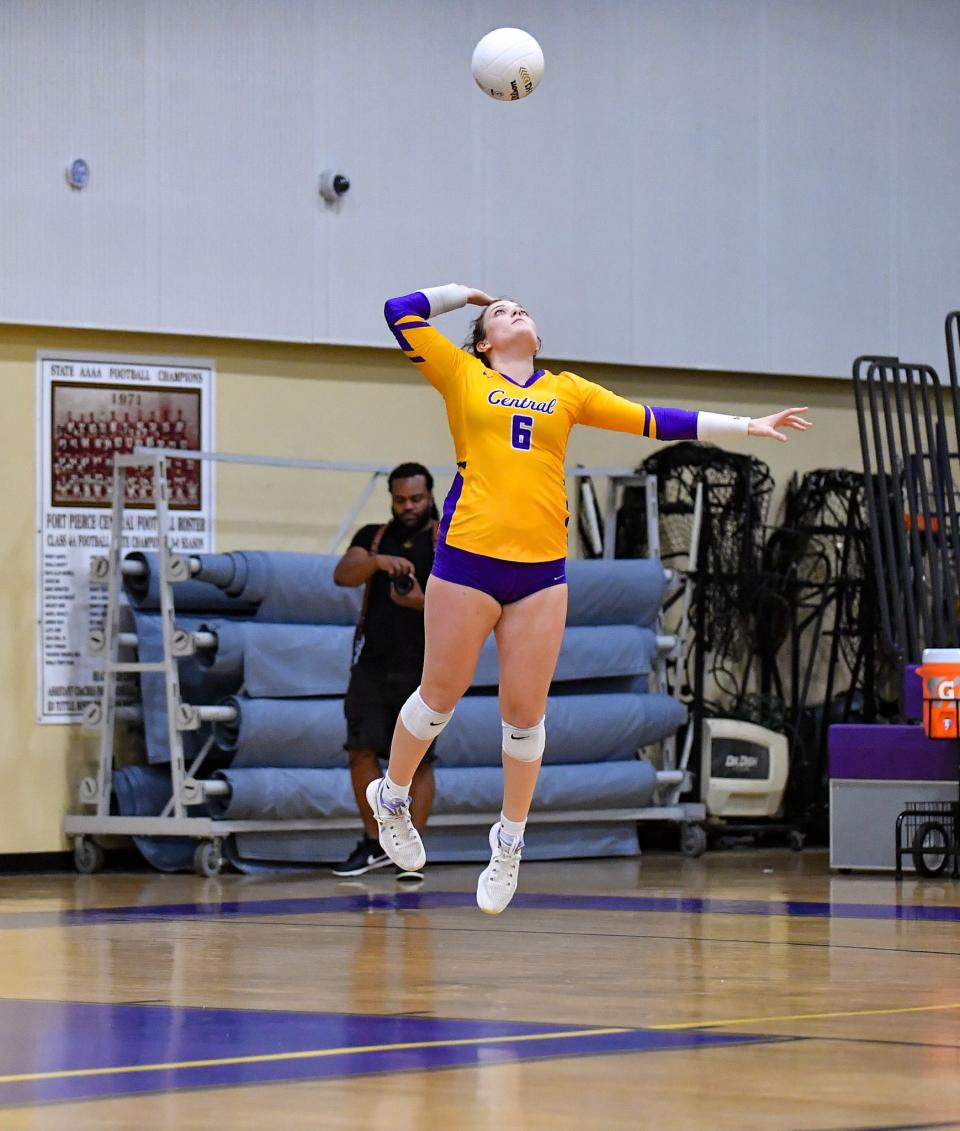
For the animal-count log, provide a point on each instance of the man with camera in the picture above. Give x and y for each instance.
(393, 561)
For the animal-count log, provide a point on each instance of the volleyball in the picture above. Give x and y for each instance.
(507, 64)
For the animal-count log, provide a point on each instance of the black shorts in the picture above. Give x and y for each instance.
(371, 707)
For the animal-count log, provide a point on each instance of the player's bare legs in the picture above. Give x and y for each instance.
(456, 621)
(529, 635)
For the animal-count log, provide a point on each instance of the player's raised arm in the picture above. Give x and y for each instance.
(438, 359)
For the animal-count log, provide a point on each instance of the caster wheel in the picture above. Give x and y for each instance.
(795, 840)
(87, 856)
(208, 859)
(930, 849)
(693, 841)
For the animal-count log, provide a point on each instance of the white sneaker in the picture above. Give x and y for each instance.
(498, 881)
(398, 838)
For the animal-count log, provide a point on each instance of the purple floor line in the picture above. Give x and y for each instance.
(424, 901)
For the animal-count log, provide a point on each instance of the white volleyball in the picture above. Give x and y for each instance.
(507, 64)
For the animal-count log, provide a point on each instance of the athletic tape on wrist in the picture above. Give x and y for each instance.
(716, 424)
(443, 299)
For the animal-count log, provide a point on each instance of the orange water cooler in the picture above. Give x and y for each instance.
(940, 673)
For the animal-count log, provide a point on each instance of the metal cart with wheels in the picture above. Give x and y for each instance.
(927, 833)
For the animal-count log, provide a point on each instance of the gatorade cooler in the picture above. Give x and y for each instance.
(940, 673)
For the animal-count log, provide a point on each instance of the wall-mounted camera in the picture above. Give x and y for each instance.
(333, 185)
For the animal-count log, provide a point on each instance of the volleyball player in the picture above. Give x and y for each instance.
(502, 545)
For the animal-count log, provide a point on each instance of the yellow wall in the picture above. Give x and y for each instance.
(307, 402)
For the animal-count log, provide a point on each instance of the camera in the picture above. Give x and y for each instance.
(402, 584)
(333, 185)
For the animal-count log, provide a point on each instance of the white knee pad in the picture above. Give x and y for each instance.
(420, 720)
(524, 743)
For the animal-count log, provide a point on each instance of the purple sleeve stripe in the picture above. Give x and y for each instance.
(674, 423)
(401, 340)
(412, 325)
(416, 304)
(648, 416)
(415, 357)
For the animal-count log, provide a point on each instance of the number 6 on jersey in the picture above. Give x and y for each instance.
(521, 432)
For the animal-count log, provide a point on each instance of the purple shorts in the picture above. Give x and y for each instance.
(505, 582)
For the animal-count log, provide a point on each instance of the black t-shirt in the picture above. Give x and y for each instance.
(393, 636)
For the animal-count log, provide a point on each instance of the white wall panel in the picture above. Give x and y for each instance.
(72, 85)
(236, 178)
(556, 181)
(699, 238)
(759, 185)
(927, 138)
(830, 156)
(394, 113)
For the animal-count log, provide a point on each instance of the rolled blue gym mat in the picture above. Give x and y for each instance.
(282, 588)
(587, 652)
(288, 733)
(580, 728)
(615, 785)
(299, 589)
(143, 791)
(309, 733)
(238, 575)
(284, 795)
(275, 794)
(196, 686)
(622, 591)
(196, 595)
(275, 661)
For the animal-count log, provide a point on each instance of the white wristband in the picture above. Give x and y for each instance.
(444, 299)
(715, 424)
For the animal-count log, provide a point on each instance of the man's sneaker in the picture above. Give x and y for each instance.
(398, 838)
(498, 881)
(366, 857)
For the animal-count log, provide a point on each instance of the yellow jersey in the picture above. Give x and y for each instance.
(509, 497)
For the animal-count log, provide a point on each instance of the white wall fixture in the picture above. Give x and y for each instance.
(333, 185)
(78, 174)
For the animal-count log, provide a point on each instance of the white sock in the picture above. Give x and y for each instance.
(511, 831)
(392, 793)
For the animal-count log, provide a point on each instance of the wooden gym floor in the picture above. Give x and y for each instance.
(747, 989)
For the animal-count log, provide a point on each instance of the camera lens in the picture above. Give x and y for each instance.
(402, 583)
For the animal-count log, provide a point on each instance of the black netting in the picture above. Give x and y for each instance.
(823, 649)
(736, 496)
(784, 626)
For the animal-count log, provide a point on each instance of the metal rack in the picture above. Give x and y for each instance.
(927, 831)
(186, 788)
(673, 778)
